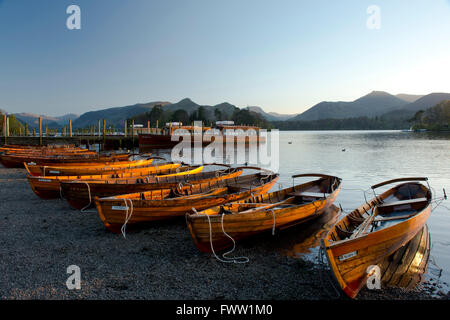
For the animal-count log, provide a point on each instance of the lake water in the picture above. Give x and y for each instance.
(371, 157)
(362, 159)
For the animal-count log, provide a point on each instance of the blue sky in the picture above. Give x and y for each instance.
(284, 55)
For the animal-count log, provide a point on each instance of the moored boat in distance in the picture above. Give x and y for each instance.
(375, 230)
(173, 133)
(212, 229)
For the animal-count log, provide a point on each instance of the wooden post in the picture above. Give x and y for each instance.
(4, 128)
(125, 128)
(104, 133)
(7, 127)
(99, 128)
(148, 126)
(40, 131)
(132, 134)
(70, 128)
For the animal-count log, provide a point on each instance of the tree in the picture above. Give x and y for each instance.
(218, 114)
(180, 115)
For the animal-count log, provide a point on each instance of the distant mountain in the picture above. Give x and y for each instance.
(33, 119)
(374, 104)
(409, 97)
(115, 116)
(426, 102)
(282, 116)
(225, 108)
(65, 118)
(271, 116)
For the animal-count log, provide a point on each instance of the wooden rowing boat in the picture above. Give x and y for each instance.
(168, 203)
(81, 194)
(211, 229)
(90, 169)
(48, 187)
(375, 230)
(51, 148)
(18, 160)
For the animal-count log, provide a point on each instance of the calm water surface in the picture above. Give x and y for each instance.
(371, 157)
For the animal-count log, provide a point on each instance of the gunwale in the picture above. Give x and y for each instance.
(89, 169)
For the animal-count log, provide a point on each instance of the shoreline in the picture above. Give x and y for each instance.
(39, 239)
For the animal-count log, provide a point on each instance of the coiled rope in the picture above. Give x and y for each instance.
(224, 256)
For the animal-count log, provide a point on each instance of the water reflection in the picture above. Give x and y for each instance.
(407, 266)
(304, 242)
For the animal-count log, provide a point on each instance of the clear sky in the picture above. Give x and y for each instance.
(282, 55)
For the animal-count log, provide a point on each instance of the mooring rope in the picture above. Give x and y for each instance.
(60, 192)
(273, 226)
(127, 216)
(321, 275)
(225, 259)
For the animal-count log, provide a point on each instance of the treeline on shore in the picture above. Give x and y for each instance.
(160, 115)
(361, 123)
(15, 126)
(436, 118)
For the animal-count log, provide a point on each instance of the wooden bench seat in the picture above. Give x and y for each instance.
(309, 194)
(402, 202)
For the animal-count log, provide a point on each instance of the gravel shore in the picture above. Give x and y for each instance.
(39, 239)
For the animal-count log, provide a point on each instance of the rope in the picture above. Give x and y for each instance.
(60, 192)
(127, 216)
(321, 275)
(225, 259)
(273, 226)
(359, 189)
(90, 198)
